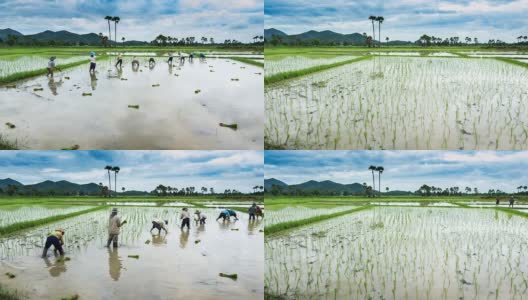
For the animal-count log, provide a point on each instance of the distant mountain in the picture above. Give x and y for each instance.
(64, 186)
(268, 33)
(65, 36)
(8, 31)
(269, 183)
(8, 181)
(325, 36)
(326, 187)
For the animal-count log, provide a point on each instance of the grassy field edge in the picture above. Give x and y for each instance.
(10, 229)
(280, 227)
(248, 61)
(298, 73)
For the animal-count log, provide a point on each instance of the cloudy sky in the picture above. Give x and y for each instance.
(140, 19)
(404, 170)
(404, 19)
(140, 170)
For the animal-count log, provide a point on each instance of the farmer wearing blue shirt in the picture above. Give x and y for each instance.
(226, 214)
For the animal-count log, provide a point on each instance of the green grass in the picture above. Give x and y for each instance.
(280, 227)
(512, 61)
(29, 74)
(298, 73)
(9, 229)
(248, 61)
(512, 212)
(8, 295)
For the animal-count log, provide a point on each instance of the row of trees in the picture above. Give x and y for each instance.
(162, 190)
(163, 41)
(426, 190)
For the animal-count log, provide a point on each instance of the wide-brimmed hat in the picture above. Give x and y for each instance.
(197, 211)
(52, 58)
(60, 229)
(114, 210)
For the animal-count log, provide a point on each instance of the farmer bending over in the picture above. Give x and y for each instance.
(200, 217)
(152, 61)
(185, 217)
(114, 225)
(170, 58)
(51, 66)
(259, 212)
(55, 239)
(159, 225)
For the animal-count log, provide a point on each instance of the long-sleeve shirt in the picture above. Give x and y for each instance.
(252, 210)
(58, 235)
(114, 223)
(184, 215)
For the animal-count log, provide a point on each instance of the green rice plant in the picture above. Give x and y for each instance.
(248, 61)
(12, 228)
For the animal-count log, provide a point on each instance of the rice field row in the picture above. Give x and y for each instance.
(402, 103)
(402, 253)
(295, 63)
(27, 213)
(289, 214)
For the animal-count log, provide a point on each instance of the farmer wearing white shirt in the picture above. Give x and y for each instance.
(92, 62)
(114, 225)
(51, 66)
(185, 217)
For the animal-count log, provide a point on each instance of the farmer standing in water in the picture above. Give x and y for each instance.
(512, 200)
(51, 66)
(119, 60)
(114, 225)
(252, 211)
(185, 217)
(55, 239)
(92, 62)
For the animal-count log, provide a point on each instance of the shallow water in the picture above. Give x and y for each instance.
(135, 203)
(402, 253)
(402, 103)
(174, 115)
(170, 266)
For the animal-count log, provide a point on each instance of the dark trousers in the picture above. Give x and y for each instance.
(186, 222)
(119, 62)
(252, 217)
(52, 240)
(202, 221)
(222, 216)
(92, 67)
(170, 60)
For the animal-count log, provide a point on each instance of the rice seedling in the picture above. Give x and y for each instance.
(401, 103)
(294, 213)
(133, 106)
(197, 91)
(232, 276)
(74, 147)
(10, 125)
(401, 253)
(232, 126)
(295, 63)
(74, 297)
(10, 275)
(86, 94)
(134, 256)
(10, 65)
(156, 85)
(9, 216)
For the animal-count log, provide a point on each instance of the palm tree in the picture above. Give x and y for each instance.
(373, 168)
(116, 20)
(115, 170)
(109, 168)
(373, 19)
(380, 20)
(387, 39)
(380, 170)
(109, 18)
(123, 39)
(123, 189)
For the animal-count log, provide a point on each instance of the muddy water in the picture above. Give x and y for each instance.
(170, 266)
(183, 112)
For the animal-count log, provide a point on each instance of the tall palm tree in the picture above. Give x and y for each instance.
(116, 20)
(109, 18)
(380, 20)
(380, 170)
(116, 170)
(373, 168)
(109, 168)
(373, 19)
(123, 39)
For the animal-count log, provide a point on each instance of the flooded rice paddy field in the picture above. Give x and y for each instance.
(160, 107)
(299, 212)
(10, 215)
(11, 64)
(294, 63)
(402, 253)
(402, 103)
(178, 265)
